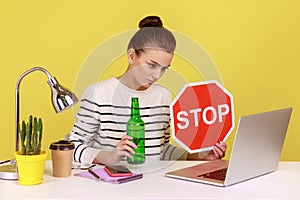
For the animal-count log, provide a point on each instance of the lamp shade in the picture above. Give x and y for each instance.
(62, 98)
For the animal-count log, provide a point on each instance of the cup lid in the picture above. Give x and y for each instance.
(62, 145)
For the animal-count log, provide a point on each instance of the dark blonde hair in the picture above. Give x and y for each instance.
(152, 34)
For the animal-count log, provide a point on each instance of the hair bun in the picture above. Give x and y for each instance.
(151, 21)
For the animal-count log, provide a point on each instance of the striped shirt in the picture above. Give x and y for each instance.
(104, 111)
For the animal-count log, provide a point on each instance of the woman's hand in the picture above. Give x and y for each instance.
(124, 148)
(218, 152)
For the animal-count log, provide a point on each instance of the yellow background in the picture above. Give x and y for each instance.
(255, 45)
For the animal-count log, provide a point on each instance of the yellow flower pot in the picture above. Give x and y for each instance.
(31, 168)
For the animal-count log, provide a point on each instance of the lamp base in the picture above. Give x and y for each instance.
(8, 170)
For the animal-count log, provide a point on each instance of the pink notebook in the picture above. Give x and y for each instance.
(103, 176)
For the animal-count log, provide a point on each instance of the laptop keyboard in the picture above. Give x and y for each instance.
(216, 175)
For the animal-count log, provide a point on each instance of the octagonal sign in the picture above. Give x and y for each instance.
(202, 115)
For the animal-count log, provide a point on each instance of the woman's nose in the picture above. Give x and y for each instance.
(156, 74)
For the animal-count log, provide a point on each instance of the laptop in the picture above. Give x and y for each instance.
(256, 151)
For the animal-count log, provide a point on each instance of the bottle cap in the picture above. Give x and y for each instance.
(62, 145)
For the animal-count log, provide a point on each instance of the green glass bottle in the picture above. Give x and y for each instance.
(136, 129)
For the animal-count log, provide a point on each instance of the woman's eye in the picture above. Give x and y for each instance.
(165, 68)
(152, 65)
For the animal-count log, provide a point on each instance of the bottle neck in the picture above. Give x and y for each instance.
(135, 110)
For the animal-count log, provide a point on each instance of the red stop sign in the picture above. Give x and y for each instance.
(202, 115)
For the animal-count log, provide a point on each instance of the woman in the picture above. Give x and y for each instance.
(99, 133)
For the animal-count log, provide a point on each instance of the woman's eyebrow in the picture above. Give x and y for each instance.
(153, 61)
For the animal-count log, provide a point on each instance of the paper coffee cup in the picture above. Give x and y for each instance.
(62, 154)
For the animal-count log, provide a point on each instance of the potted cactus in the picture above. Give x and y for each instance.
(31, 136)
(31, 159)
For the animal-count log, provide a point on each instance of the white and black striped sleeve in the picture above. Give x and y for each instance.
(86, 125)
(171, 152)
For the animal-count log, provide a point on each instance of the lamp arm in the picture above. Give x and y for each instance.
(18, 98)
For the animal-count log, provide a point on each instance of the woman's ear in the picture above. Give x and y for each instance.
(131, 55)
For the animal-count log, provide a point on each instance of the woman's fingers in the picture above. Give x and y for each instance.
(124, 153)
(126, 137)
(128, 141)
(125, 146)
(220, 149)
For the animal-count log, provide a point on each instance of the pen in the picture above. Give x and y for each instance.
(93, 173)
(98, 177)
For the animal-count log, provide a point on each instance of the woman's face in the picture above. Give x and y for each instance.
(149, 66)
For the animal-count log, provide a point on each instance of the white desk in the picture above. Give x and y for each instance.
(282, 184)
